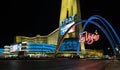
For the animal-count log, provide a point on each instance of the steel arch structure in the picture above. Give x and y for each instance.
(105, 27)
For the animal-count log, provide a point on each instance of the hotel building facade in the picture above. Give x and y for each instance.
(48, 39)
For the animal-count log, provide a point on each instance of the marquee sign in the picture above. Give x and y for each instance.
(67, 21)
(66, 24)
(66, 27)
(89, 38)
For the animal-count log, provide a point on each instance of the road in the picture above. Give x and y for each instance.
(113, 65)
(64, 64)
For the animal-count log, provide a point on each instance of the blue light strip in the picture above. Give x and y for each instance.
(41, 47)
(1, 51)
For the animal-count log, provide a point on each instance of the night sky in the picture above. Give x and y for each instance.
(29, 18)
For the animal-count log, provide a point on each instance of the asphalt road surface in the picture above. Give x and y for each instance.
(64, 64)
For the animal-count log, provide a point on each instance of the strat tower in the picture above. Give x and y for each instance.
(69, 15)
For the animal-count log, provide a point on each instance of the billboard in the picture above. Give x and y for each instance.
(66, 24)
(15, 48)
(66, 27)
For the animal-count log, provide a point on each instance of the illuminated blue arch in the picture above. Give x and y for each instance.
(106, 25)
(106, 34)
(114, 32)
(96, 18)
(104, 30)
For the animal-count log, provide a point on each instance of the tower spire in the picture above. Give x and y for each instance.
(70, 10)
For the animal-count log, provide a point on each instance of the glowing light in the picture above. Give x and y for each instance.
(66, 27)
(88, 38)
(16, 47)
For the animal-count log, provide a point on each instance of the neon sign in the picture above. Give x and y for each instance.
(65, 28)
(89, 38)
(67, 21)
